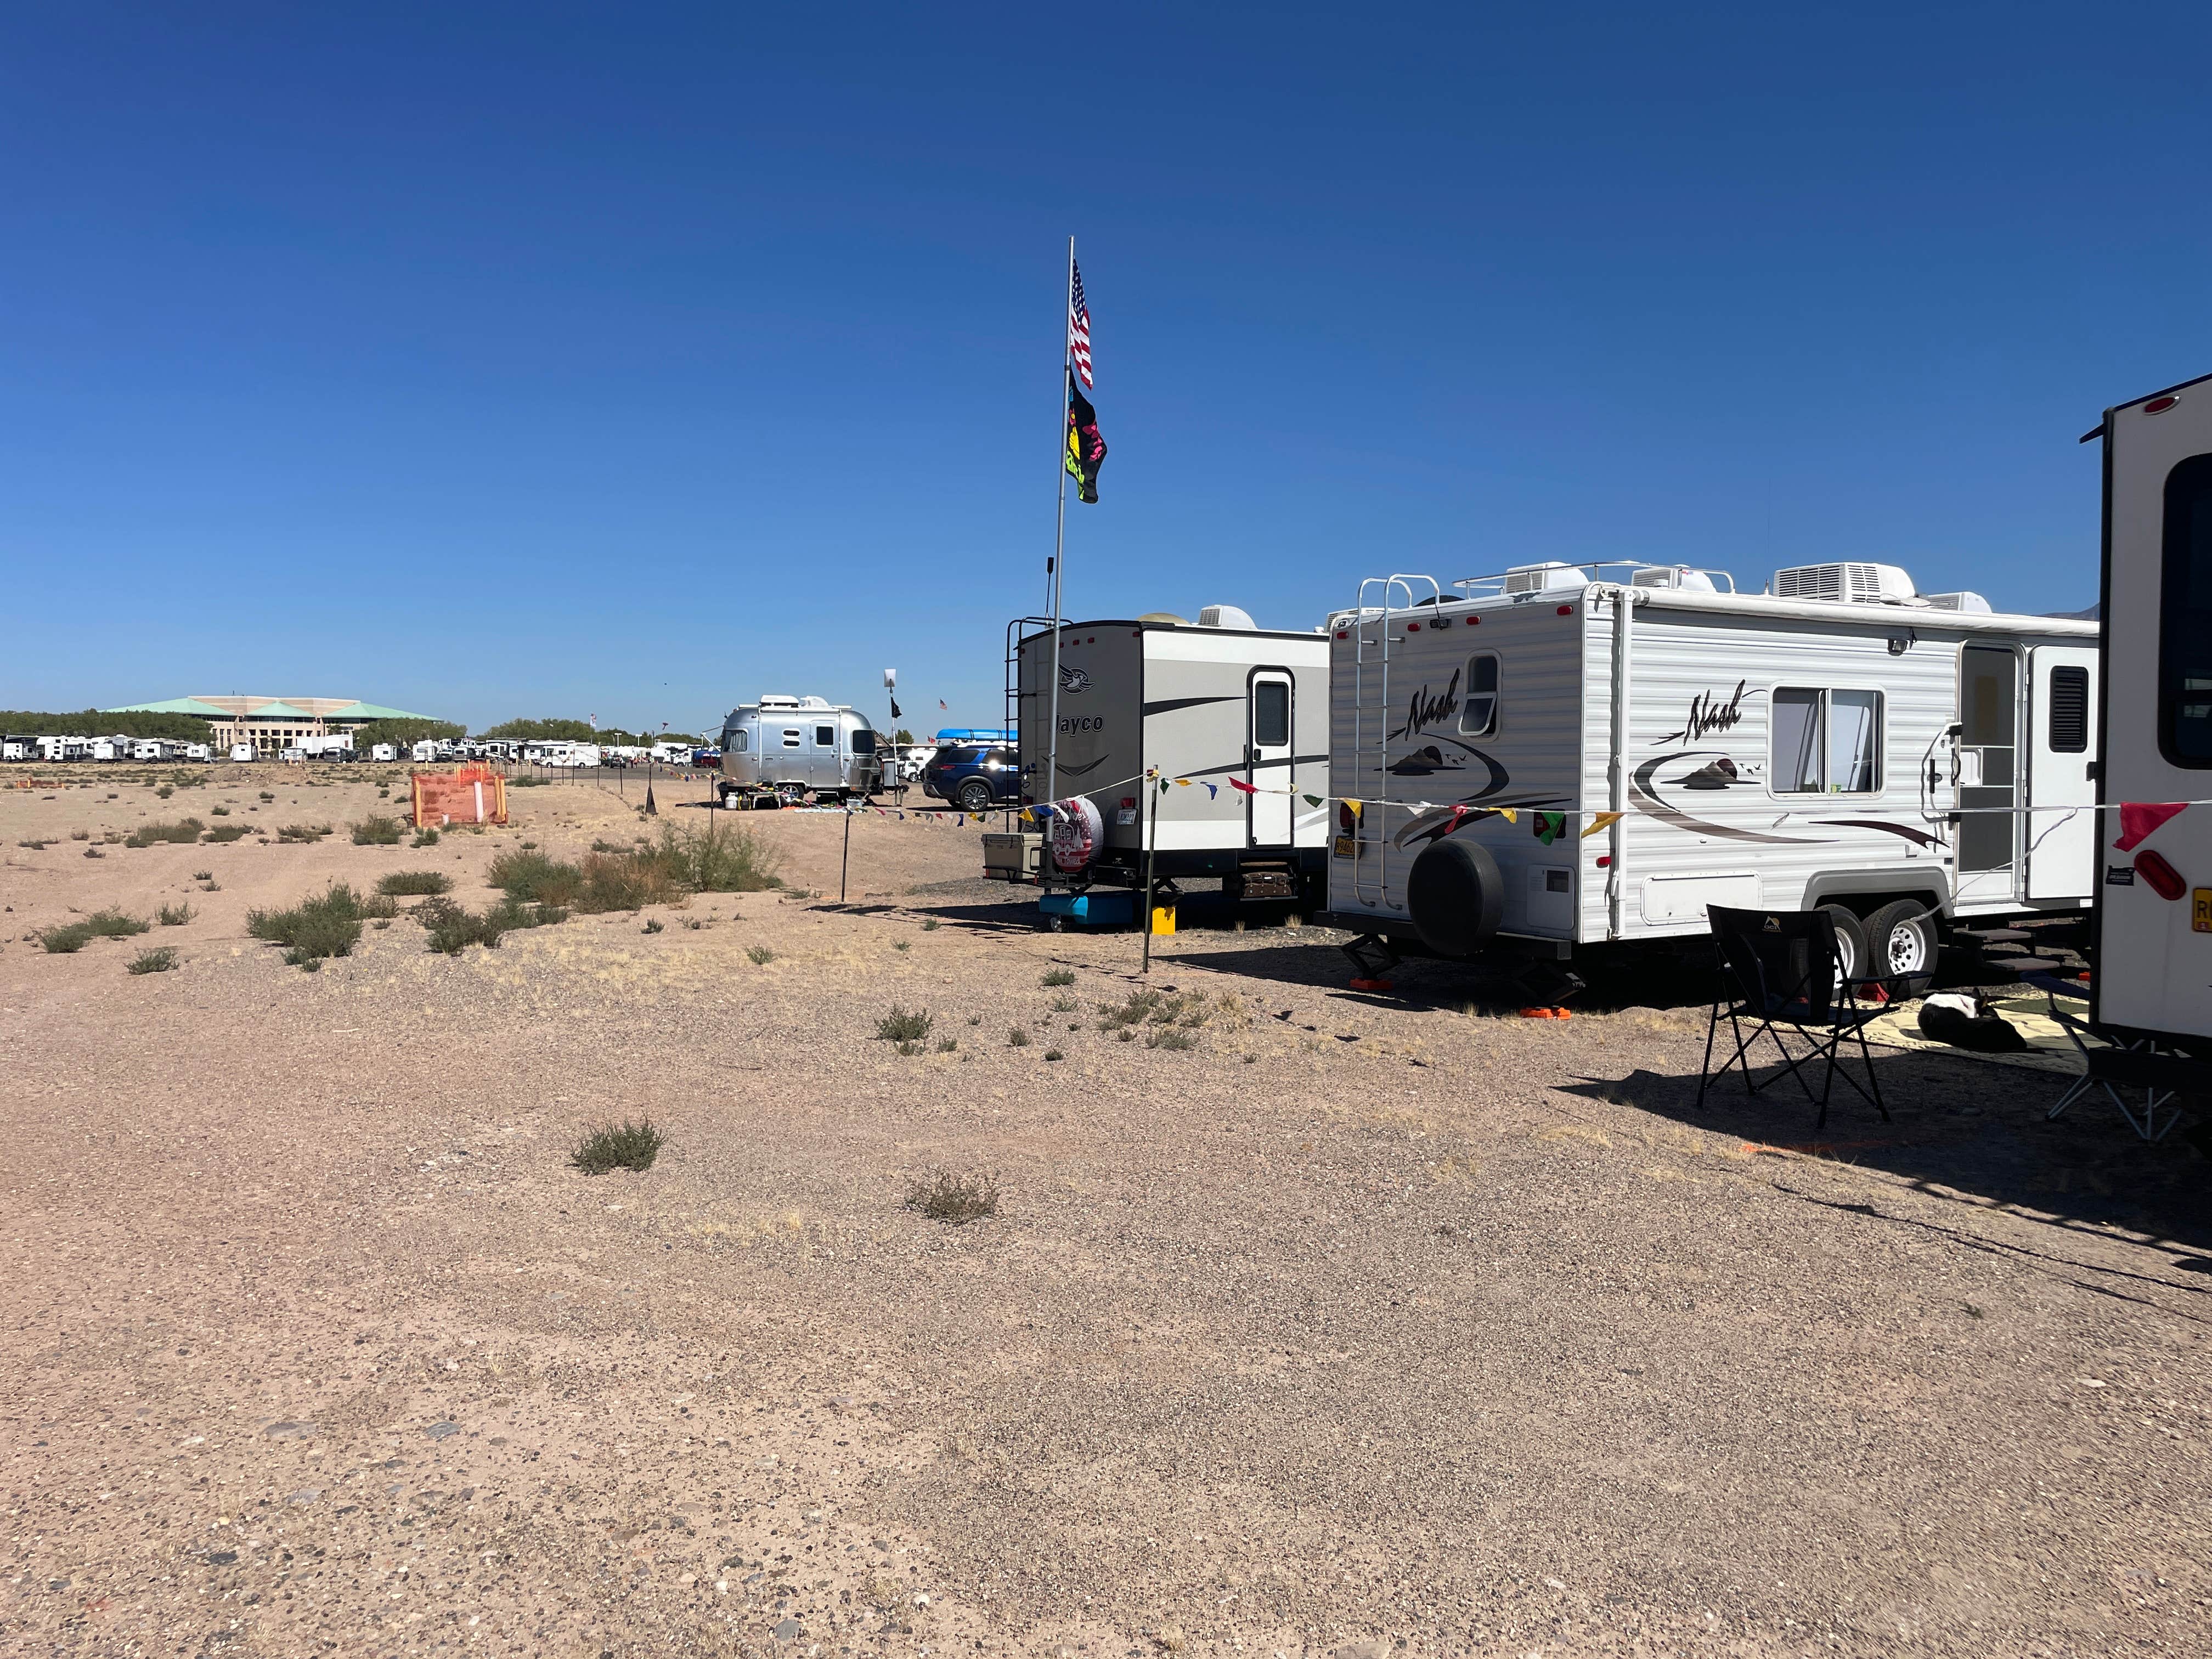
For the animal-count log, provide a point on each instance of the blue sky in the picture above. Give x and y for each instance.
(634, 361)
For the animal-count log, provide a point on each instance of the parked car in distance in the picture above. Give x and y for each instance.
(974, 776)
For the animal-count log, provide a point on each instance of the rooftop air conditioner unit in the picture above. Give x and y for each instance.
(1972, 602)
(1226, 615)
(776, 700)
(1847, 584)
(1543, 578)
(1672, 575)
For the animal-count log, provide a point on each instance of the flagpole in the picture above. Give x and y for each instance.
(1060, 531)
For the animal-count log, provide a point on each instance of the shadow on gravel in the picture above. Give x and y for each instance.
(1965, 1131)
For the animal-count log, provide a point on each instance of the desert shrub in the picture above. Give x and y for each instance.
(947, 1045)
(305, 832)
(718, 858)
(910, 1049)
(80, 834)
(931, 925)
(424, 838)
(759, 955)
(1065, 1005)
(183, 832)
(66, 940)
(626, 881)
(220, 811)
(159, 960)
(901, 944)
(265, 796)
(406, 883)
(1060, 976)
(528, 783)
(1054, 1054)
(452, 928)
(315, 929)
(958, 1199)
(113, 924)
(1017, 1038)
(652, 926)
(173, 916)
(203, 875)
(36, 846)
(524, 875)
(226, 832)
(1170, 1038)
(377, 830)
(905, 1025)
(94, 853)
(532, 847)
(164, 791)
(626, 1145)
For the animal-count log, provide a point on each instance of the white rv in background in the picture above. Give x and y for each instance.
(1840, 741)
(244, 751)
(2153, 930)
(1218, 700)
(383, 751)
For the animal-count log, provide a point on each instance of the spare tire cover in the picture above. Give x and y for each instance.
(1454, 897)
(1075, 832)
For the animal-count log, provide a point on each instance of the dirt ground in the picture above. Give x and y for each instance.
(1361, 1325)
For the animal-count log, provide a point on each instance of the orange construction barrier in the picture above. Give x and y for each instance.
(472, 795)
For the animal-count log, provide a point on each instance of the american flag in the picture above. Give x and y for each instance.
(1078, 323)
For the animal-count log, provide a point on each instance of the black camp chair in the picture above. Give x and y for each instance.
(2113, 1061)
(1782, 968)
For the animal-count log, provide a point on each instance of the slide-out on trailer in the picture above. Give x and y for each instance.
(2154, 844)
(1544, 761)
(1218, 701)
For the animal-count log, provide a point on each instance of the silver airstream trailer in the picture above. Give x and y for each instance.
(785, 749)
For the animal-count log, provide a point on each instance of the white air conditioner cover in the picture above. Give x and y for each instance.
(1971, 602)
(1672, 575)
(1225, 615)
(1845, 583)
(1543, 578)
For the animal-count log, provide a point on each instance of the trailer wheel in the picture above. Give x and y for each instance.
(1850, 942)
(1900, 942)
(1454, 897)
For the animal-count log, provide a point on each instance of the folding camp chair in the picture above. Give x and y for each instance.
(1781, 968)
(2113, 1063)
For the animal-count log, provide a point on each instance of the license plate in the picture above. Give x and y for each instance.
(1344, 848)
(2200, 910)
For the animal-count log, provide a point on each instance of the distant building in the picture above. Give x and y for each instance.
(271, 723)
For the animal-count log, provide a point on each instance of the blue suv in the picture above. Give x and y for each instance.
(974, 776)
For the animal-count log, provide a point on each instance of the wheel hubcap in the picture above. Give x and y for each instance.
(1905, 951)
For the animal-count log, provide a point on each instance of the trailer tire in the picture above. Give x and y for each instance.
(1454, 897)
(1851, 942)
(1901, 944)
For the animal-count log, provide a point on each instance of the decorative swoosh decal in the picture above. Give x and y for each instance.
(1441, 821)
(1644, 785)
(1067, 771)
(1920, 837)
(1168, 705)
(1499, 777)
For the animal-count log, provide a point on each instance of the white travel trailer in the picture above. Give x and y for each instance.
(244, 751)
(424, 752)
(150, 749)
(383, 751)
(111, 749)
(18, 749)
(1542, 761)
(1222, 702)
(2154, 844)
(198, 751)
(785, 748)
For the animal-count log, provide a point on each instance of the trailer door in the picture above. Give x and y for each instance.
(1989, 774)
(2061, 850)
(1268, 757)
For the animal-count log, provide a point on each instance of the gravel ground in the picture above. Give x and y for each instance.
(1360, 1324)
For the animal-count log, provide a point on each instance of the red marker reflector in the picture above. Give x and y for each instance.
(1341, 635)
(1604, 859)
(1129, 801)
(1566, 610)
(2165, 880)
(2159, 406)
(1412, 628)
(1471, 620)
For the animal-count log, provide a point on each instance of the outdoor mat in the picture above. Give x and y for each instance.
(2049, 1048)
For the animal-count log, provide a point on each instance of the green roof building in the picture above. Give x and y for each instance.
(271, 722)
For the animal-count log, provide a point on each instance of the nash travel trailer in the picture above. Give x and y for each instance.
(786, 748)
(1222, 702)
(2154, 844)
(1543, 761)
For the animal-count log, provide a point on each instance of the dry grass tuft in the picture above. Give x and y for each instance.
(905, 1025)
(626, 1145)
(955, 1199)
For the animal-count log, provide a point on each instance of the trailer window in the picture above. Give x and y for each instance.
(864, 743)
(1271, 714)
(825, 737)
(741, 740)
(2070, 711)
(1825, 742)
(1478, 713)
(2185, 653)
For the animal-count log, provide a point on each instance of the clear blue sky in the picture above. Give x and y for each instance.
(550, 360)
